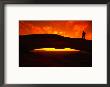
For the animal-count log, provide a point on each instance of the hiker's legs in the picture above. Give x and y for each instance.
(82, 36)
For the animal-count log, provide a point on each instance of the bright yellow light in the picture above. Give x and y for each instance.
(67, 48)
(53, 49)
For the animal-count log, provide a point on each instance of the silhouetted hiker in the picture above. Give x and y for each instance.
(83, 35)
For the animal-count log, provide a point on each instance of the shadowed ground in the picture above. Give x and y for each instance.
(28, 58)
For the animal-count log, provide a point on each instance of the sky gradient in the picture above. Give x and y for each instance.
(66, 28)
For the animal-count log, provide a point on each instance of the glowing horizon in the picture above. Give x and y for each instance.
(54, 49)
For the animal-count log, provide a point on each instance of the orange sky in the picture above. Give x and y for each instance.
(69, 28)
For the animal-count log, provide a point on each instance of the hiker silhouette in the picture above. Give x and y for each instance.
(83, 35)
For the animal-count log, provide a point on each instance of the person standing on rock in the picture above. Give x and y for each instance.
(83, 35)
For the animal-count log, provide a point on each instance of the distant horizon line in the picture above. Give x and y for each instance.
(52, 34)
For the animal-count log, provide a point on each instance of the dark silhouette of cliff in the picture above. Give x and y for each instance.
(54, 59)
(53, 41)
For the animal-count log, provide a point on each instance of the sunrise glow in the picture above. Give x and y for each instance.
(66, 28)
(54, 49)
